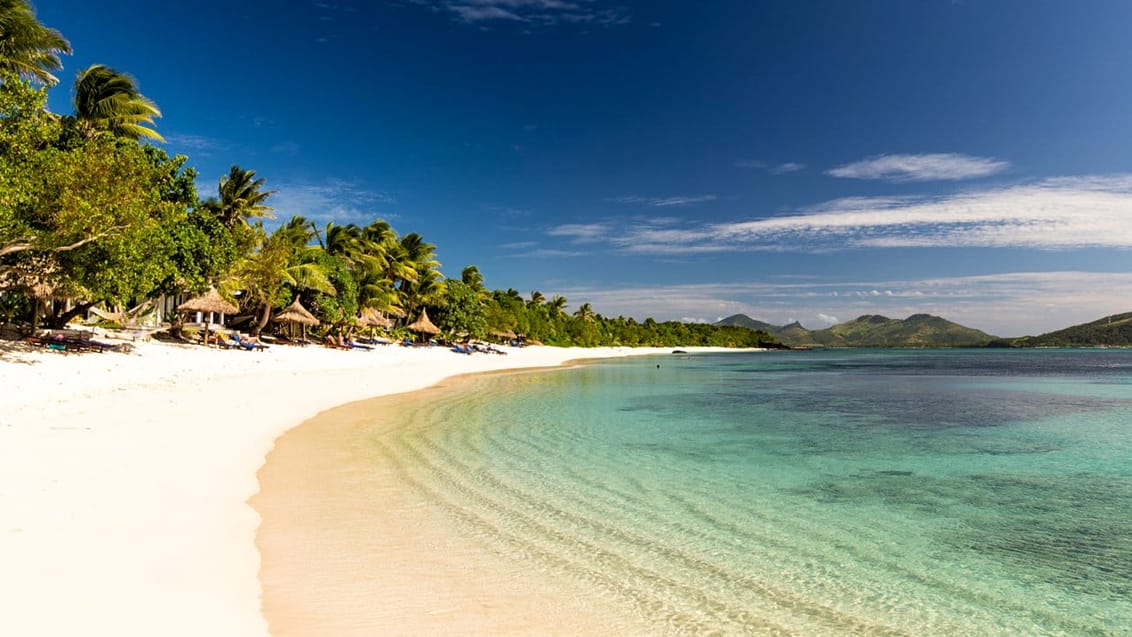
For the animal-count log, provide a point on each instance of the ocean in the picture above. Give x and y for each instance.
(896, 492)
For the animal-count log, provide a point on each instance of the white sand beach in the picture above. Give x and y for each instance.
(124, 478)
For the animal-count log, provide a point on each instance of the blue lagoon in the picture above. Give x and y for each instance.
(798, 493)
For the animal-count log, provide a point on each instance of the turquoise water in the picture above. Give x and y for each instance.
(805, 493)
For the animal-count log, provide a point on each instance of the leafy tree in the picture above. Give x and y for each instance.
(274, 270)
(462, 312)
(89, 220)
(28, 49)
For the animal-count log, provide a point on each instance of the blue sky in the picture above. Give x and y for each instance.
(805, 160)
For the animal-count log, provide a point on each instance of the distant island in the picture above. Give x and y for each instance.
(1110, 331)
(925, 330)
(872, 330)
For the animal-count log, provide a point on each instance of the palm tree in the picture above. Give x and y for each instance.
(107, 100)
(472, 277)
(241, 197)
(274, 266)
(536, 299)
(557, 304)
(585, 313)
(27, 48)
(426, 285)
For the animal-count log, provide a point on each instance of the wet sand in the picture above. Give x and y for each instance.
(351, 546)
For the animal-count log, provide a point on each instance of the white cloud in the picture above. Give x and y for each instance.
(788, 167)
(581, 232)
(200, 144)
(333, 200)
(927, 167)
(664, 202)
(776, 169)
(828, 319)
(1054, 214)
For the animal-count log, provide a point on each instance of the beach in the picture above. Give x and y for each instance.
(125, 477)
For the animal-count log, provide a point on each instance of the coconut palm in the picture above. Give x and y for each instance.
(557, 304)
(27, 48)
(274, 266)
(426, 284)
(537, 299)
(241, 197)
(585, 313)
(107, 100)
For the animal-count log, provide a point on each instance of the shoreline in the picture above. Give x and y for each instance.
(125, 478)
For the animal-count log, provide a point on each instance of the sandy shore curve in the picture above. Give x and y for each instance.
(124, 478)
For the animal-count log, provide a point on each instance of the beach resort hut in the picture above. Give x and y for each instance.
(372, 318)
(505, 336)
(296, 313)
(423, 326)
(212, 303)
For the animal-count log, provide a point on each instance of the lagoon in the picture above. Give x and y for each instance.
(896, 492)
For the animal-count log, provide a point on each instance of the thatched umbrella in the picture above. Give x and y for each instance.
(212, 303)
(423, 325)
(507, 335)
(296, 313)
(373, 318)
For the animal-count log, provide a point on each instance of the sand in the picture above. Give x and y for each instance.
(125, 478)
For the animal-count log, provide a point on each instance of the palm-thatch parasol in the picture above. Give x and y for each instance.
(423, 325)
(212, 303)
(373, 318)
(296, 313)
(505, 334)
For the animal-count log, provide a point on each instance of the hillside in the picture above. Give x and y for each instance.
(871, 330)
(1115, 330)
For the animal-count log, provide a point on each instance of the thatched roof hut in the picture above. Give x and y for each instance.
(296, 313)
(372, 318)
(423, 325)
(211, 302)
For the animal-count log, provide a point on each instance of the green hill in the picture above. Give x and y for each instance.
(871, 330)
(1115, 330)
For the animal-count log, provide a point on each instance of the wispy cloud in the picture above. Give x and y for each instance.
(199, 144)
(1054, 214)
(788, 167)
(530, 12)
(547, 253)
(927, 167)
(774, 169)
(581, 232)
(663, 202)
(334, 200)
(1007, 304)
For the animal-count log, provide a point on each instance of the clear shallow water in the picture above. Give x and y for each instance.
(818, 493)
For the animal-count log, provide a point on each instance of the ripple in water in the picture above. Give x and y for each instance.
(878, 493)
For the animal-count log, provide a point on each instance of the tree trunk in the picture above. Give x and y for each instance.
(60, 321)
(262, 322)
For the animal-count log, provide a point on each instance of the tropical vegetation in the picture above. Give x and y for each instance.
(93, 218)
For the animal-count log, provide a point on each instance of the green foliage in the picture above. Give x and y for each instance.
(28, 49)
(1111, 331)
(462, 312)
(341, 307)
(108, 101)
(871, 330)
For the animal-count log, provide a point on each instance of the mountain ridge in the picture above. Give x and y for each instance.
(872, 330)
